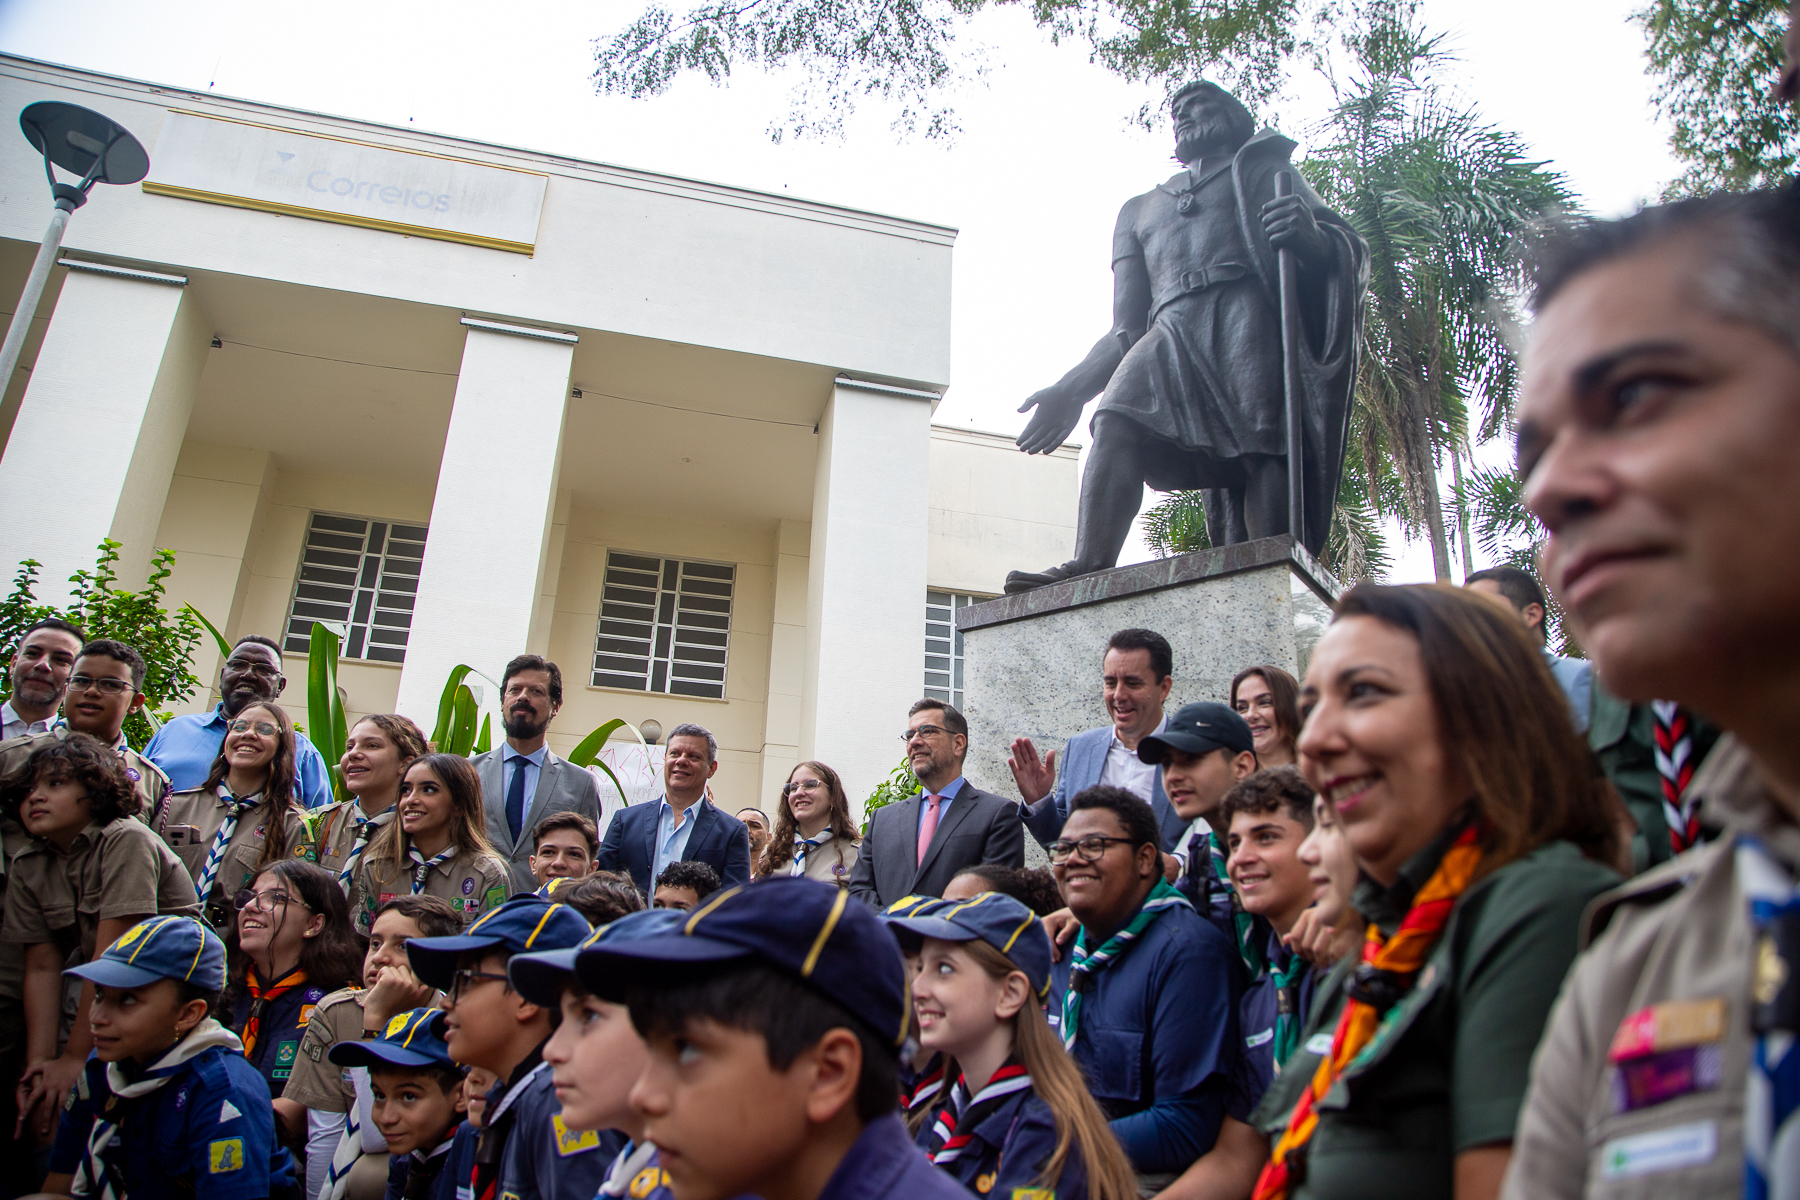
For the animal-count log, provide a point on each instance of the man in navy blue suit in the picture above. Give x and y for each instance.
(1136, 675)
(681, 825)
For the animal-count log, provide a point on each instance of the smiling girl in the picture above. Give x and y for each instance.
(437, 846)
(1013, 1115)
(375, 756)
(290, 947)
(244, 817)
(815, 835)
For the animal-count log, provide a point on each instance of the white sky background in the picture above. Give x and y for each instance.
(1034, 181)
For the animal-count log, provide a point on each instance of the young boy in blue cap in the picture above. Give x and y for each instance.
(775, 1014)
(418, 1100)
(523, 1152)
(167, 1106)
(596, 1055)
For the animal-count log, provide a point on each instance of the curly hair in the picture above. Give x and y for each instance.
(84, 759)
(603, 897)
(696, 876)
(1034, 887)
(779, 852)
(1272, 790)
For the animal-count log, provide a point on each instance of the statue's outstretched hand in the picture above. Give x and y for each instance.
(1289, 222)
(1049, 427)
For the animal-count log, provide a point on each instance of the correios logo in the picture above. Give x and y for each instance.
(372, 190)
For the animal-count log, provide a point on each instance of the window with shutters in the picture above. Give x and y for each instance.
(665, 625)
(944, 646)
(362, 573)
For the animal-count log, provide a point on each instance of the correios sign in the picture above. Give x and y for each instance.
(264, 167)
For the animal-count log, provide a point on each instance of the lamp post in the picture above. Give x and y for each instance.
(97, 149)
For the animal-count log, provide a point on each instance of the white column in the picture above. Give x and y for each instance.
(98, 432)
(866, 581)
(491, 515)
(787, 662)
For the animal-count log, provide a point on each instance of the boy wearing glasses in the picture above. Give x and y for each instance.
(524, 1151)
(105, 687)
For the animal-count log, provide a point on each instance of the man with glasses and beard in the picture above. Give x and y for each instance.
(186, 748)
(522, 782)
(917, 846)
(39, 675)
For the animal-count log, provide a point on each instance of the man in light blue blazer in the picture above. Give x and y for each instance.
(1137, 672)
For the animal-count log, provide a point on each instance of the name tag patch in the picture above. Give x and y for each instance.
(1319, 1043)
(1660, 1150)
(1264, 1038)
(1668, 1026)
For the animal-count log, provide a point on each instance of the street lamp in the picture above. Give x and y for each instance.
(100, 151)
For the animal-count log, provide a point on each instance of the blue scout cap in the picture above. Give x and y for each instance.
(540, 977)
(548, 891)
(521, 924)
(411, 1039)
(992, 917)
(806, 928)
(160, 948)
(1199, 728)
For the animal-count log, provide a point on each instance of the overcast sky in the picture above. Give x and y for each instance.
(1045, 158)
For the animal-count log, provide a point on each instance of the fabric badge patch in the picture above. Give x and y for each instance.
(1654, 1078)
(1667, 1050)
(573, 1141)
(306, 1011)
(1319, 1043)
(226, 1154)
(1033, 1194)
(495, 897)
(1668, 1026)
(285, 1053)
(985, 1183)
(313, 1049)
(1259, 1039)
(469, 886)
(647, 1181)
(1661, 1150)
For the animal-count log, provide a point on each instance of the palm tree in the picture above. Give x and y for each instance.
(1440, 197)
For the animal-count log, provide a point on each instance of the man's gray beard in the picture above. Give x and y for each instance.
(524, 728)
(1214, 137)
(47, 691)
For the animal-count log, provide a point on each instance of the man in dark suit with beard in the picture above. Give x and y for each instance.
(915, 847)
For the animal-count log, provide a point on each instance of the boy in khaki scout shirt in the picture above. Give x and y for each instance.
(435, 846)
(243, 817)
(1658, 422)
(321, 1098)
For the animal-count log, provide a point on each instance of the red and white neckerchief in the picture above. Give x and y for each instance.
(955, 1125)
(1675, 766)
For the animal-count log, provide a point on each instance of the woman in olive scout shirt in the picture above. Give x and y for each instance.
(1436, 734)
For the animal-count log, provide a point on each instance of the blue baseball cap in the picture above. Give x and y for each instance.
(522, 924)
(1199, 728)
(411, 1039)
(541, 976)
(992, 917)
(160, 948)
(548, 891)
(805, 928)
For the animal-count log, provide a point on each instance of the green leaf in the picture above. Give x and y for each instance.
(324, 710)
(589, 749)
(218, 638)
(485, 742)
(462, 722)
(440, 735)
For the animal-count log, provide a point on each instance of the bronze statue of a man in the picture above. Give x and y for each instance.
(1191, 375)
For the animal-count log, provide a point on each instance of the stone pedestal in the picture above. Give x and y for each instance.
(1032, 661)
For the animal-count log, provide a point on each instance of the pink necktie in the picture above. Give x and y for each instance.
(928, 825)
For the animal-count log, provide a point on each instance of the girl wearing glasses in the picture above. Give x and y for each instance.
(375, 754)
(815, 835)
(244, 817)
(290, 946)
(437, 846)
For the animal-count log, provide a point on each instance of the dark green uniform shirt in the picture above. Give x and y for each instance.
(1623, 738)
(1448, 1069)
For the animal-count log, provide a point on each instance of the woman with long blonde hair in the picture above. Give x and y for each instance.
(1013, 1115)
(436, 846)
(815, 835)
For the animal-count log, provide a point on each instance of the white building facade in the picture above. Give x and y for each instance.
(470, 401)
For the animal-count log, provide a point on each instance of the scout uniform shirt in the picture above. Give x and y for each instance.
(208, 1133)
(883, 1163)
(471, 883)
(544, 1158)
(190, 822)
(637, 1174)
(998, 1147)
(340, 831)
(417, 1176)
(279, 1029)
(321, 1086)
(151, 783)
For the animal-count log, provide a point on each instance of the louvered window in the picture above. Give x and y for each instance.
(944, 647)
(665, 625)
(361, 573)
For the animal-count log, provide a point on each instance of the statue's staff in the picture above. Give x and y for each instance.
(1290, 376)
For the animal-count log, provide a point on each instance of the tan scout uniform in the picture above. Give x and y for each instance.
(151, 783)
(333, 832)
(190, 820)
(831, 861)
(1676, 953)
(471, 883)
(320, 1085)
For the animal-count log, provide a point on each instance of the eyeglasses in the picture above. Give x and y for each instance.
(460, 981)
(107, 687)
(923, 731)
(805, 785)
(1088, 849)
(255, 666)
(265, 901)
(263, 727)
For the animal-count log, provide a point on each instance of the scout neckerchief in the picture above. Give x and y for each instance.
(423, 1170)
(422, 865)
(344, 1158)
(365, 829)
(926, 1087)
(1674, 734)
(632, 1159)
(805, 846)
(1243, 924)
(261, 996)
(484, 1176)
(1771, 1153)
(94, 1177)
(1085, 963)
(1286, 981)
(1390, 961)
(962, 1114)
(235, 807)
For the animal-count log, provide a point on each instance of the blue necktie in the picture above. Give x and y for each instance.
(515, 798)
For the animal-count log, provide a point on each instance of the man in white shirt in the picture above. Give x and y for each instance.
(39, 676)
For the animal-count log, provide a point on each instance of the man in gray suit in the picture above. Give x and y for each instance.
(522, 782)
(917, 846)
